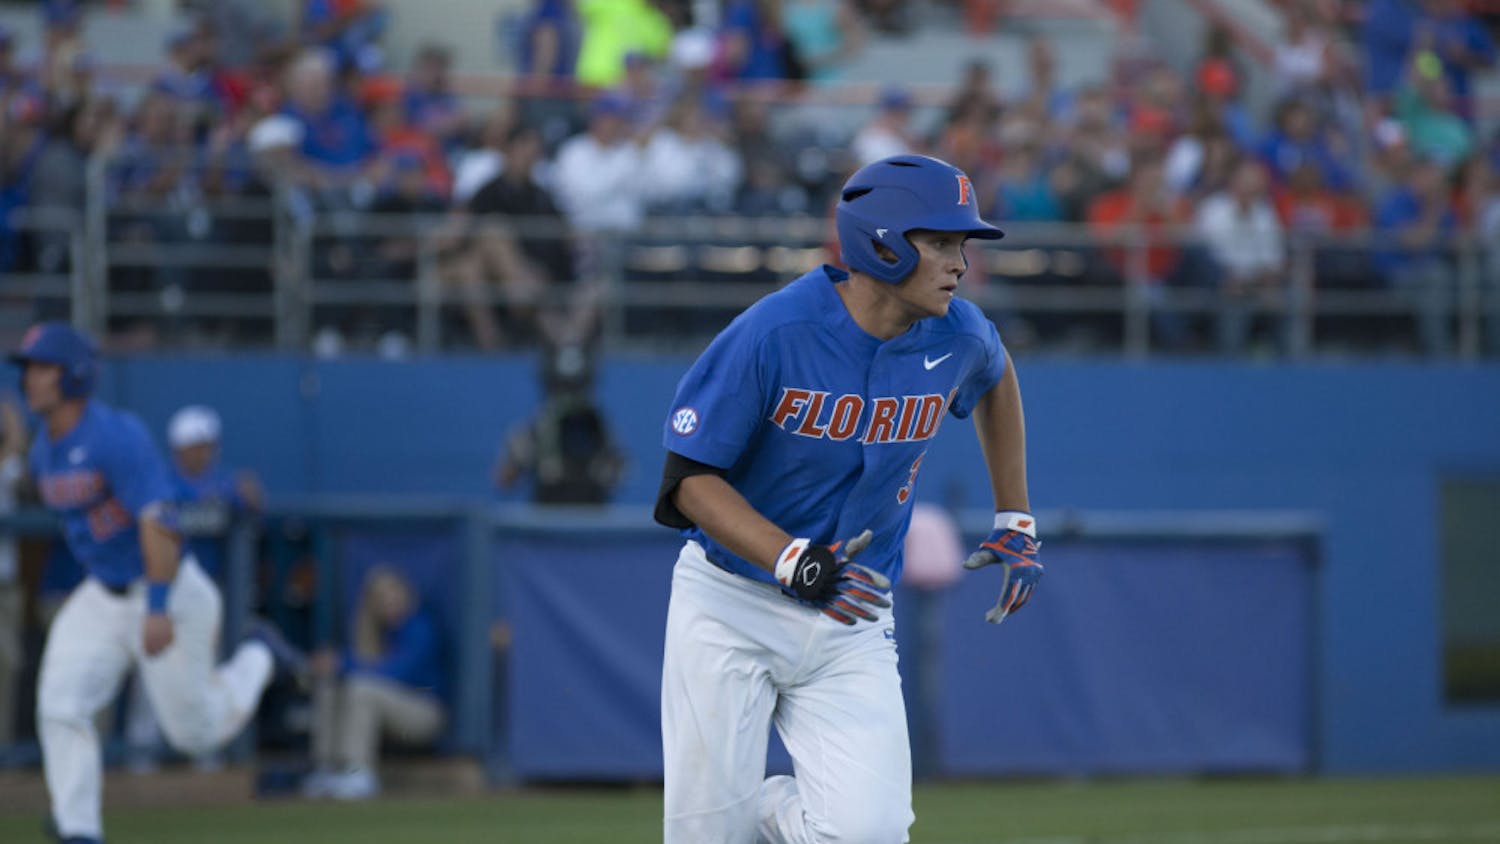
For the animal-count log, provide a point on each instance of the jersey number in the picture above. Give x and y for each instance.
(911, 481)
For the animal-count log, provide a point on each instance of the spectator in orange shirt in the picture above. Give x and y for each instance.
(1311, 211)
(398, 138)
(1145, 201)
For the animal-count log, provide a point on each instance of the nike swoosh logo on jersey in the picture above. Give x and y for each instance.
(929, 364)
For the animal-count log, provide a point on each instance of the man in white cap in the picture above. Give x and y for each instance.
(209, 494)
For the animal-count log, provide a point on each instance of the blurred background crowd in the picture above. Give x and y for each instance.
(523, 194)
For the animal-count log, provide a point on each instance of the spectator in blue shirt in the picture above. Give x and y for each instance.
(347, 27)
(549, 35)
(1024, 192)
(336, 137)
(1298, 138)
(1417, 218)
(1387, 39)
(188, 76)
(384, 683)
(428, 100)
(210, 495)
(756, 45)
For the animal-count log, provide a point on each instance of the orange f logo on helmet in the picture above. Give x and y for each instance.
(965, 190)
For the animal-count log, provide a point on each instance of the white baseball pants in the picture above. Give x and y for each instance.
(93, 643)
(740, 655)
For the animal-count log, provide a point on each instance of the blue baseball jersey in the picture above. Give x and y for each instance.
(207, 502)
(99, 477)
(821, 426)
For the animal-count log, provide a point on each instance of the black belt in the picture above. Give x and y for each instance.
(117, 591)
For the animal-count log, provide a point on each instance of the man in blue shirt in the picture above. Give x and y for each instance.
(209, 494)
(143, 603)
(1417, 222)
(793, 444)
(336, 138)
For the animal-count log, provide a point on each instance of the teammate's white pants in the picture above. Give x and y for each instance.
(93, 642)
(740, 654)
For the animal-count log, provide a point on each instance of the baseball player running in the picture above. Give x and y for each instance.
(794, 443)
(143, 603)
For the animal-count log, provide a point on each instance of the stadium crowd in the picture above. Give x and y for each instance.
(621, 111)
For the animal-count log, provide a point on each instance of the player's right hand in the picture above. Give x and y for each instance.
(156, 634)
(824, 577)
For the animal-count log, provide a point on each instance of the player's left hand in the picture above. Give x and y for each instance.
(156, 635)
(1014, 546)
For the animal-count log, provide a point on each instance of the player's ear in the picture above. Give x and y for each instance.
(884, 252)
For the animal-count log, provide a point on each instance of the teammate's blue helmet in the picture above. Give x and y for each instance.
(62, 344)
(884, 200)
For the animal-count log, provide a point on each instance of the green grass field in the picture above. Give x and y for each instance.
(1430, 811)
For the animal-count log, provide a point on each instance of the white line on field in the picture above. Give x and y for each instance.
(1371, 833)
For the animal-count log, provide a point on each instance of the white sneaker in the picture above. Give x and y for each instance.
(356, 784)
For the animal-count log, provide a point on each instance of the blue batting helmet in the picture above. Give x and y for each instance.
(883, 201)
(64, 345)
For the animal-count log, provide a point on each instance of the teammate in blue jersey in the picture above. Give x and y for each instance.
(143, 602)
(210, 495)
(793, 446)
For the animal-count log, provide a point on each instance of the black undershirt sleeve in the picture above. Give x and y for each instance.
(676, 469)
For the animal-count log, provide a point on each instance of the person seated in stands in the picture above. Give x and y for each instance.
(1431, 123)
(513, 239)
(1244, 237)
(1024, 190)
(548, 44)
(396, 135)
(598, 178)
(336, 138)
(889, 132)
(1308, 209)
(1154, 260)
(429, 101)
(406, 195)
(1416, 223)
(349, 28)
(384, 683)
(688, 166)
(1299, 136)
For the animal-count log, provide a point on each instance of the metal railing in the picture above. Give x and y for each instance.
(677, 279)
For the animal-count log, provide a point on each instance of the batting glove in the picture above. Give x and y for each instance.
(822, 576)
(1012, 544)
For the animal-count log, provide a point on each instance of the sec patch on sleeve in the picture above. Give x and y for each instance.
(684, 421)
